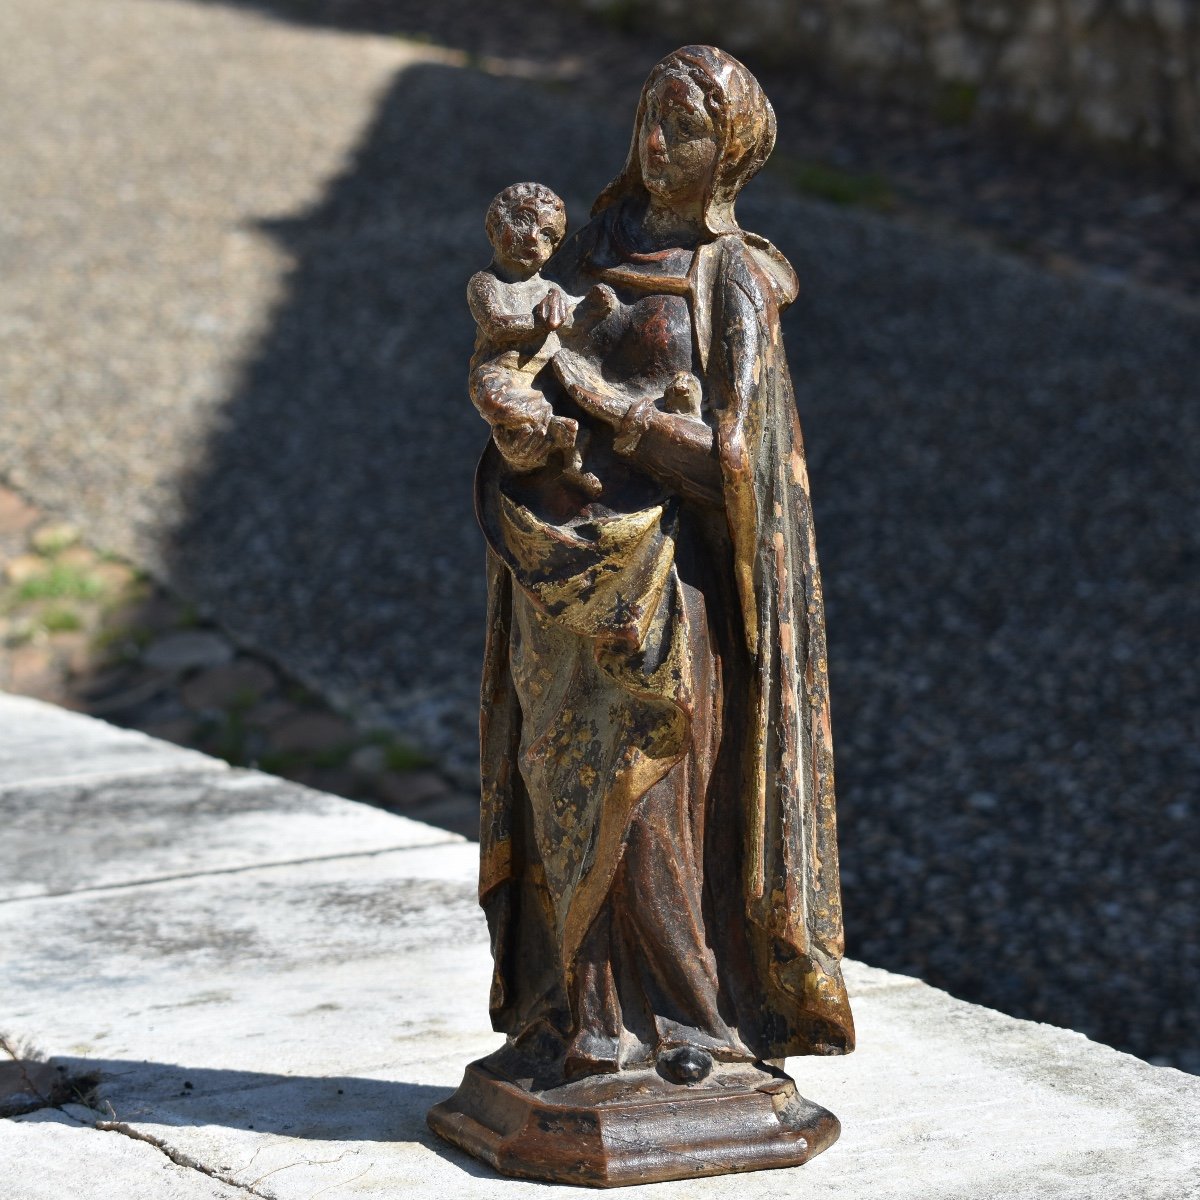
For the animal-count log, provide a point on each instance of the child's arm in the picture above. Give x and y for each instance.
(500, 328)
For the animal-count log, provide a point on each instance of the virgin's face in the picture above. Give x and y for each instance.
(677, 147)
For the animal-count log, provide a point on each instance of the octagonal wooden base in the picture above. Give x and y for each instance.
(635, 1127)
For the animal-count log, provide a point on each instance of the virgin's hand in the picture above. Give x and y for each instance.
(602, 299)
(600, 302)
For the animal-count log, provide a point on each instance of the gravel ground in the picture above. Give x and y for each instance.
(234, 349)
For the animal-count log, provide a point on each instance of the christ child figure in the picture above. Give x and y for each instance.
(518, 313)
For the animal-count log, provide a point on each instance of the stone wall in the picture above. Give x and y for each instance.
(1122, 72)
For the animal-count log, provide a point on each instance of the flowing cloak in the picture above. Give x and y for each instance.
(606, 590)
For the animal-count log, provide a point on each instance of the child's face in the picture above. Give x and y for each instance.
(528, 235)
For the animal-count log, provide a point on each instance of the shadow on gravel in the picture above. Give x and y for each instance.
(332, 521)
(1005, 504)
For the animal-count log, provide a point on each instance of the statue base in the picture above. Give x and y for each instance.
(635, 1126)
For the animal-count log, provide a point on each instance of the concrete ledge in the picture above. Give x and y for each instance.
(266, 1026)
(191, 815)
(41, 744)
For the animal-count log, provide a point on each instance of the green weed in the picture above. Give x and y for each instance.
(836, 186)
(60, 582)
(189, 617)
(334, 756)
(402, 757)
(956, 103)
(61, 620)
(120, 641)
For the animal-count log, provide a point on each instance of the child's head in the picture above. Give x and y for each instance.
(525, 223)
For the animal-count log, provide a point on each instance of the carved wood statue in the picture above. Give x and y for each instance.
(658, 856)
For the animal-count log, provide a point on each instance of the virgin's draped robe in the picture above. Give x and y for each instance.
(659, 862)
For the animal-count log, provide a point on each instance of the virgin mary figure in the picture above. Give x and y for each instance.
(658, 857)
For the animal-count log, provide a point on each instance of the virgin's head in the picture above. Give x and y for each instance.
(703, 130)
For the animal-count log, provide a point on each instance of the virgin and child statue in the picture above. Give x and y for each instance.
(659, 864)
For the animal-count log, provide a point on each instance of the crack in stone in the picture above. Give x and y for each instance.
(77, 1090)
(183, 876)
(178, 1157)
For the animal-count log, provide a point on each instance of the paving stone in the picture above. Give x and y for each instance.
(54, 537)
(456, 812)
(179, 730)
(368, 761)
(188, 649)
(71, 647)
(239, 682)
(167, 708)
(81, 558)
(95, 684)
(135, 689)
(16, 516)
(152, 614)
(337, 780)
(410, 789)
(25, 567)
(81, 658)
(270, 712)
(310, 732)
(31, 670)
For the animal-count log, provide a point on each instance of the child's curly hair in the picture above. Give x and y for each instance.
(519, 193)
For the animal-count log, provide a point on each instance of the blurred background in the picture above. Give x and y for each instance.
(236, 449)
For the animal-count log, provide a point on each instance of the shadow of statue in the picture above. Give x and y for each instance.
(158, 1097)
(330, 521)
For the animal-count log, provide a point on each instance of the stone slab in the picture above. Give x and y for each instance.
(42, 745)
(109, 831)
(289, 1026)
